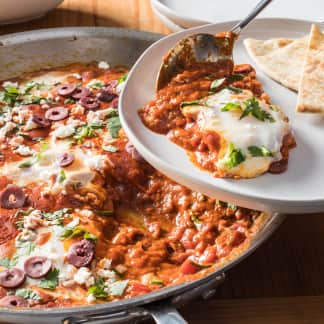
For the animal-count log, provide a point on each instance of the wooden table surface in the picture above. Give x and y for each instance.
(282, 282)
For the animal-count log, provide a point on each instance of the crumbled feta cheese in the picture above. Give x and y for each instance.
(64, 131)
(45, 106)
(6, 129)
(77, 110)
(86, 213)
(24, 150)
(30, 124)
(98, 115)
(91, 298)
(103, 65)
(96, 84)
(107, 274)
(77, 76)
(33, 220)
(9, 84)
(5, 117)
(121, 268)
(96, 162)
(105, 263)
(16, 141)
(147, 278)
(84, 277)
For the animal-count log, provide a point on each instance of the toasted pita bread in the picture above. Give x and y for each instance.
(311, 87)
(282, 59)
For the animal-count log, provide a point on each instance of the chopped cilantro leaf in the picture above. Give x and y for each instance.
(28, 294)
(259, 151)
(235, 157)
(114, 126)
(252, 107)
(217, 83)
(51, 280)
(5, 262)
(190, 103)
(123, 78)
(157, 281)
(70, 232)
(236, 77)
(62, 176)
(234, 89)
(110, 148)
(230, 106)
(9, 95)
(98, 289)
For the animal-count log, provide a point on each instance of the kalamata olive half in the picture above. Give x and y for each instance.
(115, 102)
(65, 159)
(37, 266)
(105, 96)
(40, 121)
(81, 92)
(12, 197)
(89, 103)
(12, 278)
(111, 86)
(130, 148)
(81, 253)
(13, 301)
(66, 89)
(57, 113)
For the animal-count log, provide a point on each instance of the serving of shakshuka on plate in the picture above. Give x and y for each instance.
(85, 219)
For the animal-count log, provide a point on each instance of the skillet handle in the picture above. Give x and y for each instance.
(166, 315)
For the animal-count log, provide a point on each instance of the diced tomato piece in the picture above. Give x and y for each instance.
(136, 288)
(188, 267)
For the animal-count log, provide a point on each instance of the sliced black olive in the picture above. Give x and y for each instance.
(57, 113)
(12, 197)
(37, 266)
(12, 278)
(13, 301)
(89, 103)
(40, 121)
(66, 89)
(81, 92)
(81, 253)
(65, 159)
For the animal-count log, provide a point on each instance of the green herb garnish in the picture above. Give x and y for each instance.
(9, 95)
(235, 157)
(190, 103)
(28, 294)
(70, 232)
(234, 89)
(56, 218)
(157, 281)
(217, 83)
(110, 148)
(236, 77)
(98, 289)
(5, 262)
(62, 176)
(259, 151)
(51, 280)
(114, 126)
(195, 220)
(123, 78)
(252, 107)
(86, 131)
(230, 106)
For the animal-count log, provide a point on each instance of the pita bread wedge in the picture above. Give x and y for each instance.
(311, 87)
(280, 58)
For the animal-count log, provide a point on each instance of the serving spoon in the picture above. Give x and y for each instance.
(203, 48)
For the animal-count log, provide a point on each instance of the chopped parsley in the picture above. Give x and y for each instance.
(236, 77)
(28, 294)
(235, 157)
(259, 151)
(86, 131)
(5, 262)
(70, 232)
(56, 218)
(37, 157)
(9, 95)
(123, 78)
(252, 107)
(114, 126)
(95, 84)
(230, 106)
(110, 148)
(98, 289)
(62, 176)
(51, 280)
(157, 281)
(217, 83)
(234, 89)
(190, 103)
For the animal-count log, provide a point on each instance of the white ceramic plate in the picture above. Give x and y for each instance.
(300, 189)
(166, 21)
(14, 11)
(190, 13)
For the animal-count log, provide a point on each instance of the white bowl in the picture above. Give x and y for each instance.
(13, 11)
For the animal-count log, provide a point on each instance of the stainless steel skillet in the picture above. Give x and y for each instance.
(34, 50)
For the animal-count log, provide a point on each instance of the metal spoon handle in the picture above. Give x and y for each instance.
(243, 23)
